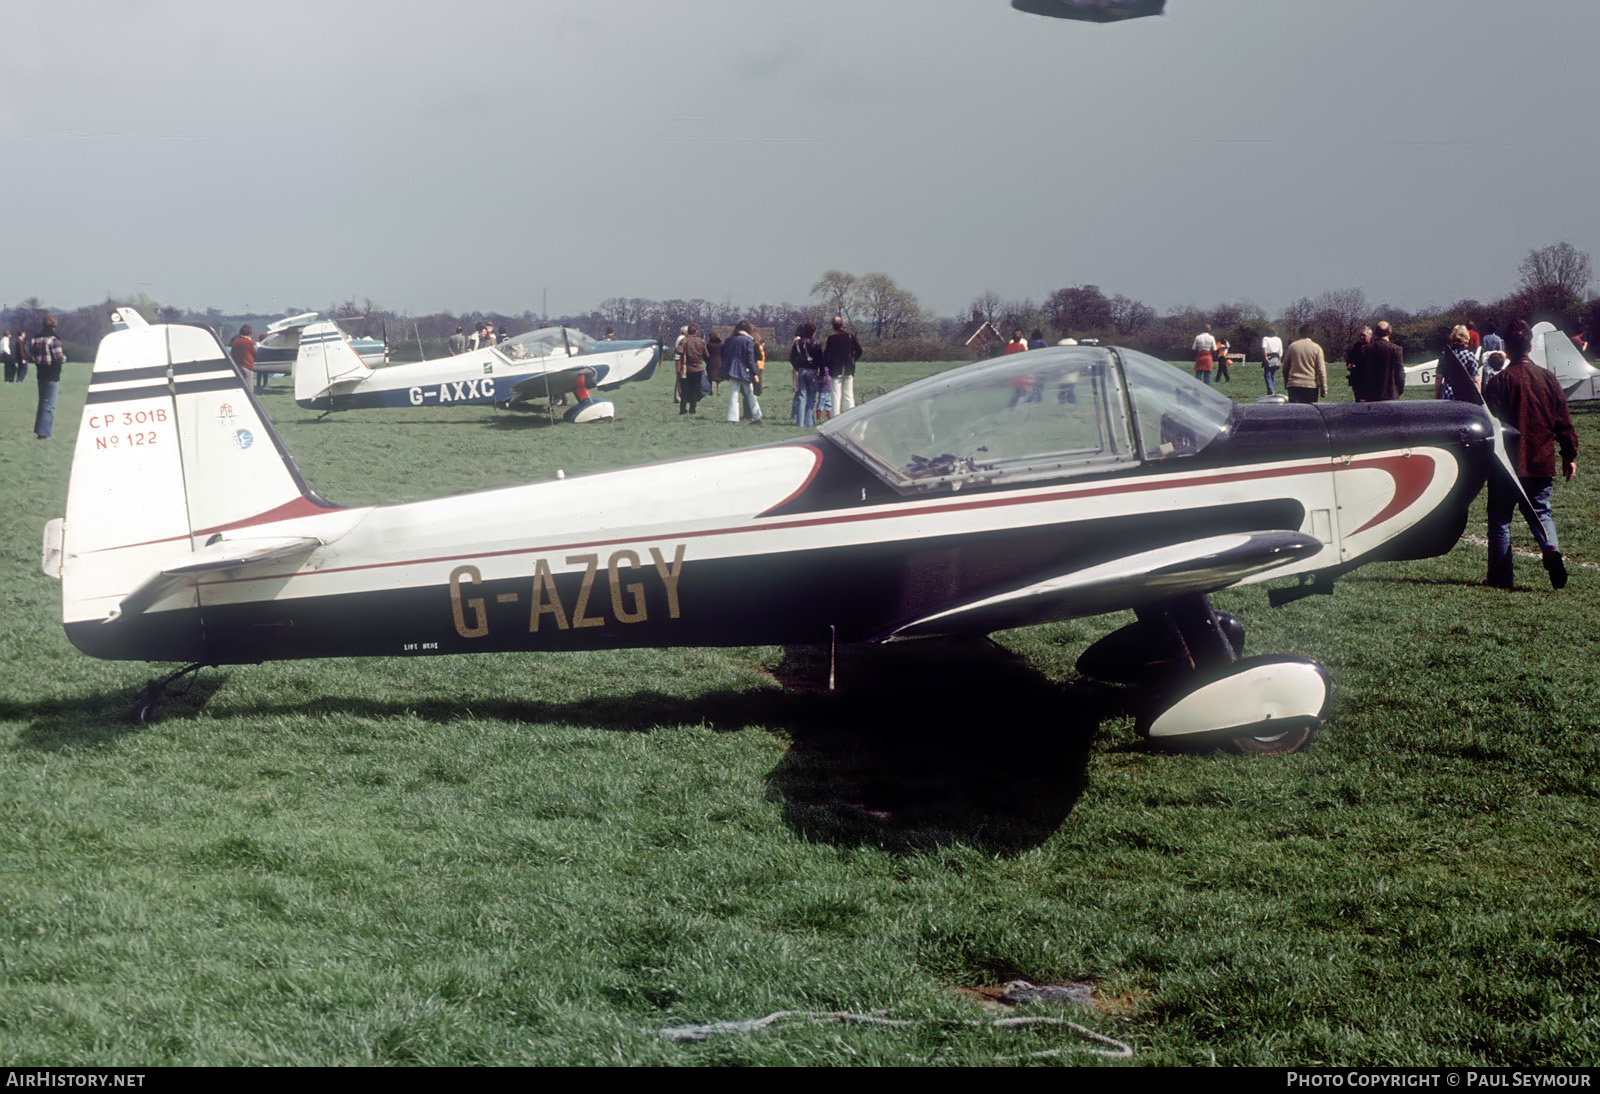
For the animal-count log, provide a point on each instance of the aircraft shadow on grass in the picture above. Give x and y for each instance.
(933, 744)
(921, 745)
(96, 719)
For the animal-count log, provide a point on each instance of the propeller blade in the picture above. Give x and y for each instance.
(1505, 473)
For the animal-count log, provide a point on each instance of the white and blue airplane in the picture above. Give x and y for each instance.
(329, 375)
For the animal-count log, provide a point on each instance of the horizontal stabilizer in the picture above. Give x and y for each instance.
(230, 554)
(1198, 566)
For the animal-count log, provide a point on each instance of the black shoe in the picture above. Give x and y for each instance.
(1556, 567)
(1490, 584)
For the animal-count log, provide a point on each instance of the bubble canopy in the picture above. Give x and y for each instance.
(1044, 414)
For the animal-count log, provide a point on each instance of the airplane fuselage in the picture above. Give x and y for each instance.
(798, 542)
(478, 377)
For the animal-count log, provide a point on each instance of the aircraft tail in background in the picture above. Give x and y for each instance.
(325, 360)
(1555, 351)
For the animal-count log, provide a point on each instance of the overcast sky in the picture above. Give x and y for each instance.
(479, 154)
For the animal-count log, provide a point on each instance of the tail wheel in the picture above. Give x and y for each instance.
(1293, 739)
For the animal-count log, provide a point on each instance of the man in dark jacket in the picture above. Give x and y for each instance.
(1381, 374)
(839, 355)
(694, 371)
(1528, 398)
(739, 368)
(1354, 358)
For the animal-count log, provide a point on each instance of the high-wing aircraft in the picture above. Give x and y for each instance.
(1059, 483)
(280, 344)
(1093, 11)
(329, 376)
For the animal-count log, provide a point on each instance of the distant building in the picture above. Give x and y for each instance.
(985, 341)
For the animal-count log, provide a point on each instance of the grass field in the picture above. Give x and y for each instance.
(520, 859)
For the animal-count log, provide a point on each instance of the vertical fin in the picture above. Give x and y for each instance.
(172, 449)
(325, 358)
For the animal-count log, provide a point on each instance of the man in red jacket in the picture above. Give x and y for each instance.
(243, 352)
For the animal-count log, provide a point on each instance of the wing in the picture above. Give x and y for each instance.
(557, 381)
(1195, 566)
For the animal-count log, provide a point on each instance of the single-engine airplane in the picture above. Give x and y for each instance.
(1059, 483)
(329, 376)
(280, 344)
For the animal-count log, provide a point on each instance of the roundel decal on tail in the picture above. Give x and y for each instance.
(244, 438)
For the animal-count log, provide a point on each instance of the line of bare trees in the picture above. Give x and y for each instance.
(1552, 283)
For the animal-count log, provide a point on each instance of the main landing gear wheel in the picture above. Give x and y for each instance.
(1282, 743)
(1265, 706)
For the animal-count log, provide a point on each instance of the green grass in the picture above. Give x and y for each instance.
(522, 859)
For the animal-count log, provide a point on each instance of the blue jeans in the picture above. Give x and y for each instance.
(1502, 507)
(44, 419)
(1203, 375)
(807, 387)
(1272, 379)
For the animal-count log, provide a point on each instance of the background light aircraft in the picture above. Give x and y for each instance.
(277, 348)
(329, 376)
(1555, 351)
(1551, 350)
(1055, 484)
(1094, 11)
(276, 351)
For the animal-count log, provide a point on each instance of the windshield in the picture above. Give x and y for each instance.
(546, 341)
(1177, 414)
(1040, 414)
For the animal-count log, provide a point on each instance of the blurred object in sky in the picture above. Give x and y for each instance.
(1095, 11)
